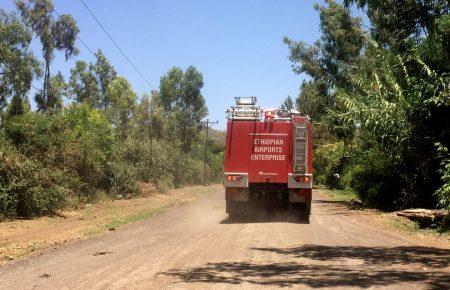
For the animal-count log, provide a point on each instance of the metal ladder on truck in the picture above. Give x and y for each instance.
(300, 148)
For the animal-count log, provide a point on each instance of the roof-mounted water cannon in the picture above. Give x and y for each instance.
(245, 101)
(245, 109)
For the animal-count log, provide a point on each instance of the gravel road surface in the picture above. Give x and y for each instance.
(196, 246)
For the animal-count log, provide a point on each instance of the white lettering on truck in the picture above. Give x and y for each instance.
(265, 146)
(268, 141)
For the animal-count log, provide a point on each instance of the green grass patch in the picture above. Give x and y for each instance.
(118, 222)
(406, 225)
(340, 195)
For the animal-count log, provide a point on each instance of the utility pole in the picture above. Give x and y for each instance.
(208, 124)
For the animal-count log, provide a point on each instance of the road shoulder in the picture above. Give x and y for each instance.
(387, 221)
(21, 238)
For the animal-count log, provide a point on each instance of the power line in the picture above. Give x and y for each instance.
(34, 87)
(115, 43)
(78, 37)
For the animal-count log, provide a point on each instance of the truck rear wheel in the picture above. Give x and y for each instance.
(236, 209)
(300, 211)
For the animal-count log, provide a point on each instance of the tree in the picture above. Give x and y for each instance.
(288, 104)
(329, 60)
(18, 106)
(170, 89)
(89, 82)
(59, 34)
(435, 49)
(180, 97)
(84, 86)
(104, 73)
(123, 103)
(18, 66)
(58, 89)
(310, 101)
(395, 22)
(192, 107)
(143, 118)
(399, 104)
(92, 142)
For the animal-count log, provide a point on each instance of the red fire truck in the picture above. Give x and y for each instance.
(268, 160)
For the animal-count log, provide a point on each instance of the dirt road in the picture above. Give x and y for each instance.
(196, 247)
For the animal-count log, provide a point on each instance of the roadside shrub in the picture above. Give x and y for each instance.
(27, 187)
(42, 136)
(122, 178)
(374, 177)
(443, 193)
(91, 145)
(164, 185)
(189, 171)
(329, 162)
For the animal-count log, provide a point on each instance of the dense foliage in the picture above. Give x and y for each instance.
(384, 97)
(92, 135)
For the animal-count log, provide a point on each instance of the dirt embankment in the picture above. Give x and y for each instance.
(21, 237)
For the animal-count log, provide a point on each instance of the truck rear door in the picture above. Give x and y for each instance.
(270, 149)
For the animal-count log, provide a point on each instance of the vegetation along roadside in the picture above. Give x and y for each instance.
(379, 97)
(90, 135)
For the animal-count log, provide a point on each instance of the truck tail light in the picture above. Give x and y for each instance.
(302, 179)
(234, 177)
(269, 114)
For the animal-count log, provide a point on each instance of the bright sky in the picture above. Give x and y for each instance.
(237, 45)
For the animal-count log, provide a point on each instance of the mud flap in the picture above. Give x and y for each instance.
(300, 210)
(300, 204)
(236, 207)
(236, 201)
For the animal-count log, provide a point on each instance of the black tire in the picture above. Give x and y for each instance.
(304, 216)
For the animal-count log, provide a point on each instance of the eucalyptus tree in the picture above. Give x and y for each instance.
(123, 104)
(181, 99)
(54, 34)
(89, 82)
(18, 66)
(287, 104)
(104, 74)
(57, 89)
(83, 84)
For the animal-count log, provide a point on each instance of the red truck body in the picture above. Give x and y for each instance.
(268, 161)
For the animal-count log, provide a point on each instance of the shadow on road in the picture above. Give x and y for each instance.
(379, 266)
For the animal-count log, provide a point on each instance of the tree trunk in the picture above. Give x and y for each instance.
(424, 217)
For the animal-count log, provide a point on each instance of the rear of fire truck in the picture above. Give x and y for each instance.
(268, 160)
